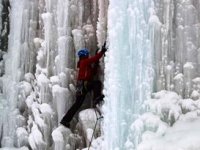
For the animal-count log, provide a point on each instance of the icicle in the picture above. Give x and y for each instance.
(130, 54)
(102, 22)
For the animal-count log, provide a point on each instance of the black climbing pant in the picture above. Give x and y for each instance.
(82, 88)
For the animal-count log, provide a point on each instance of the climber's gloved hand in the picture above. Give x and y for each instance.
(96, 50)
(104, 49)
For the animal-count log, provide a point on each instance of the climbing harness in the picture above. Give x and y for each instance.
(98, 118)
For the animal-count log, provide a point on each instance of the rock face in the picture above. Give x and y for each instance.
(4, 27)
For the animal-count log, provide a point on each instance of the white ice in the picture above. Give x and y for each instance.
(153, 46)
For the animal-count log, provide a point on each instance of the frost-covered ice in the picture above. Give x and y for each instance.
(159, 35)
(153, 45)
(128, 67)
(38, 73)
(159, 132)
(87, 120)
(183, 135)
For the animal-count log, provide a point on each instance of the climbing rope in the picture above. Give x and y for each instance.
(94, 127)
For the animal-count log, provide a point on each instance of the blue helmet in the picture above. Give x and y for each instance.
(83, 52)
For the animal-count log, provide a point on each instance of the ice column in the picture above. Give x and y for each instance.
(19, 60)
(177, 51)
(128, 70)
(12, 76)
(102, 22)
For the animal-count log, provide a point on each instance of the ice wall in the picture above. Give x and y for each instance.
(146, 36)
(38, 86)
(65, 31)
(150, 42)
(177, 49)
(129, 67)
(174, 32)
(12, 121)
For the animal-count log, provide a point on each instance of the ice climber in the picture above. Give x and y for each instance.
(85, 82)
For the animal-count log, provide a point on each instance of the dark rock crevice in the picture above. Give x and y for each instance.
(5, 25)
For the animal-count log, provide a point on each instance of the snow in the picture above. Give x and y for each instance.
(188, 105)
(178, 76)
(178, 137)
(188, 65)
(153, 46)
(166, 106)
(158, 131)
(196, 80)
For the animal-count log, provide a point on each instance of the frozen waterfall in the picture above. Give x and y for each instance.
(150, 73)
(129, 67)
(38, 71)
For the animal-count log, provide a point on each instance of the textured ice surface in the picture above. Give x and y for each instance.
(182, 133)
(128, 68)
(147, 39)
(40, 68)
(168, 32)
(87, 120)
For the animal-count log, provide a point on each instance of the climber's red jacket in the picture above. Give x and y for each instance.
(86, 71)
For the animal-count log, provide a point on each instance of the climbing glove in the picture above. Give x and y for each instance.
(104, 49)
